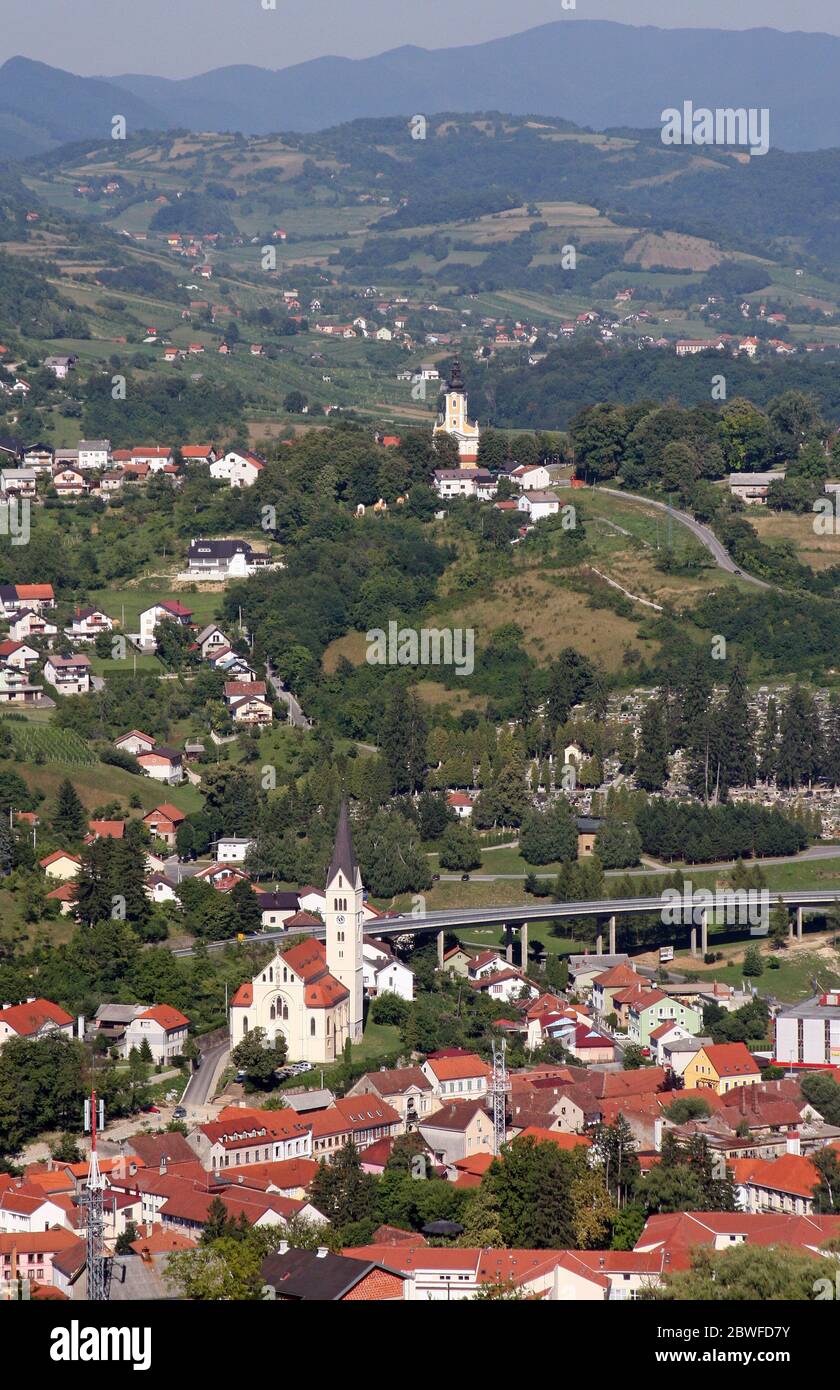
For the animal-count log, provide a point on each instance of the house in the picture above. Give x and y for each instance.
(135, 742)
(222, 877)
(25, 1207)
(461, 803)
(87, 623)
(34, 1018)
(163, 764)
(588, 827)
(456, 1075)
(384, 973)
(39, 457)
(155, 455)
(225, 559)
(60, 364)
(26, 623)
(18, 654)
(752, 488)
(243, 1134)
(651, 1008)
(454, 482)
(238, 468)
(406, 1089)
(608, 983)
(163, 823)
(18, 481)
(69, 675)
(38, 597)
(32, 1256)
(251, 709)
(365, 1119)
(198, 453)
(277, 908)
(301, 1276)
(675, 1054)
(505, 984)
(674, 1236)
(160, 890)
(539, 503)
(211, 641)
(162, 1027)
(458, 1129)
(94, 453)
(721, 1067)
(590, 1046)
(69, 482)
(61, 865)
(164, 609)
(105, 830)
(233, 849)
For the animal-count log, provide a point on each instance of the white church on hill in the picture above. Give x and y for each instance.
(313, 993)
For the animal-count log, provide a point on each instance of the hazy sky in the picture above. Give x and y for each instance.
(178, 38)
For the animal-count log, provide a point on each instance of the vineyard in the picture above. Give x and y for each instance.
(41, 743)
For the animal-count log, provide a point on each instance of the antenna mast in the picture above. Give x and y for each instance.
(499, 1090)
(91, 1201)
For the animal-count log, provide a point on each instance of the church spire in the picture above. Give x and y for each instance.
(456, 380)
(343, 857)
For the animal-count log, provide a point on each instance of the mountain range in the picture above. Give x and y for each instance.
(599, 74)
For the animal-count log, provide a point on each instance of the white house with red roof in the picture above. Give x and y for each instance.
(456, 1074)
(238, 468)
(34, 1018)
(461, 803)
(163, 765)
(164, 608)
(163, 1027)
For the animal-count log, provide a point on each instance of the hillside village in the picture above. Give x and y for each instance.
(419, 718)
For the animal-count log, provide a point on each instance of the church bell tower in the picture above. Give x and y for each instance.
(344, 917)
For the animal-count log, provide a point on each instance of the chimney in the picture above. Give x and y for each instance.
(162, 1168)
(283, 1247)
(80, 1027)
(793, 1144)
(657, 1135)
(322, 1252)
(742, 1103)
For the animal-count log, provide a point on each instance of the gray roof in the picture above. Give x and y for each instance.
(118, 1013)
(687, 1045)
(596, 962)
(303, 1101)
(343, 856)
(811, 1008)
(315, 1276)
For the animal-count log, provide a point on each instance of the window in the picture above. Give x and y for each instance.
(311, 1027)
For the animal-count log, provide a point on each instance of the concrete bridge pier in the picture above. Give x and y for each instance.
(599, 944)
(523, 945)
(704, 932)
(799, 924)
(694, 941)
(440, 936)
(612, 935)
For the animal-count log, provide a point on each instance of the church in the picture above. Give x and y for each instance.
(453, 419)
(312, 993)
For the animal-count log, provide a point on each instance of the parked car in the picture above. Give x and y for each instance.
(180, 1112)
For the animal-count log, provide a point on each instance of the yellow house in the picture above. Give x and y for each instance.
(61, 865)
(721, 1067)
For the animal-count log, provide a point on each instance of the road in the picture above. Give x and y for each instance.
(296, 714)
(200, 1087)
(650, 870)
(704, 535)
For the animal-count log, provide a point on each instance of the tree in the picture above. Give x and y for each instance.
(482, 1219)
(633, 1057)
(125, 1238)
(258, 1057)
(745, 1273)
(226, 1270)
(618, 844)
(245, 908)
(614, 1151)
(532, 1183)
(69, 821)
(686, 1108)
(827, 1190)
(460, 848)
(341, 1191)
(402, 739)
(652, 754)
(753, 964)
(549, 835)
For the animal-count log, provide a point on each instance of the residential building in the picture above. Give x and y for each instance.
(163, 765)
(456, 1075)
(94, 453)
(406, 1089)
(301, 1276)
(69, 675)
(237, 468)
(459, 1129)
(539, 504)
(752, 488)
(808, 1034)
(721, 1067)
(164, 1028)
(165, 608)
(34, 1018)
(224, 559)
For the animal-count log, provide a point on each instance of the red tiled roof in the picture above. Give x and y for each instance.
(731, 1059)
(168, 1017)
(458, 1068)
(26, 1019)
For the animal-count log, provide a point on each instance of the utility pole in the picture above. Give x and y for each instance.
(91, 1202)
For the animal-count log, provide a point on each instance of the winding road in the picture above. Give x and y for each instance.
(704, 534)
